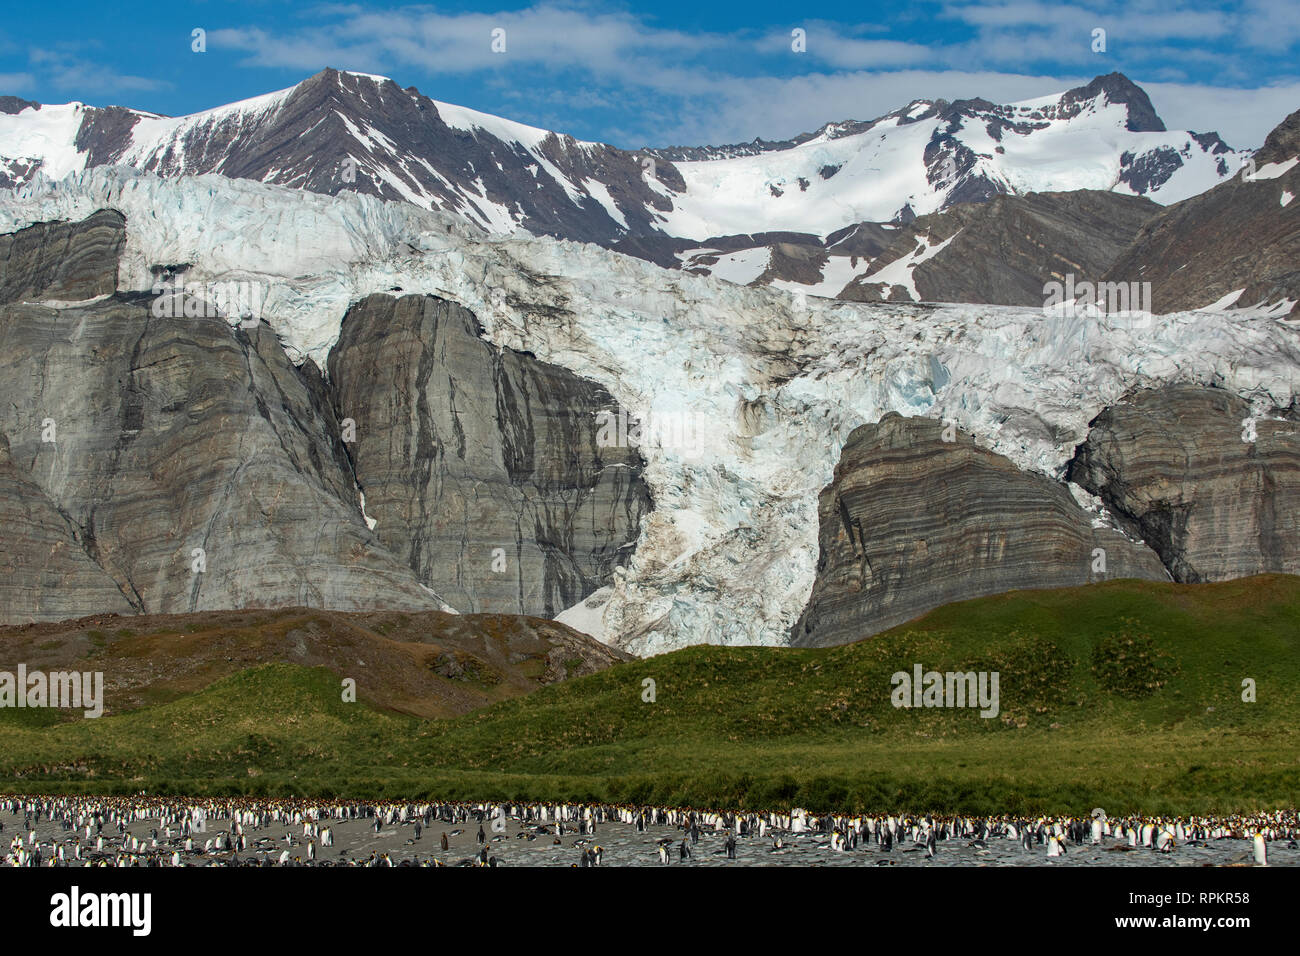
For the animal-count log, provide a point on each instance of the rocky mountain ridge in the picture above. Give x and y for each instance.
(1236, 245)
(339, 131)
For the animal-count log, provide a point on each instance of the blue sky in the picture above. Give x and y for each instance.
(673, 72)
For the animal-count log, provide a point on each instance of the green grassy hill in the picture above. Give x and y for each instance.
(1125, 695)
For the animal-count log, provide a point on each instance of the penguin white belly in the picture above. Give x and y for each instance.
(1261, 850)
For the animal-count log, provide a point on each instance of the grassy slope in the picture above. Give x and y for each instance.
(763, 726)
(427, 664)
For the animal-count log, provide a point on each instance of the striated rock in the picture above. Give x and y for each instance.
(1178, 464)
(65, 261)
(156, 437)
(1003, 251)
(45, 575)
(481, 467)
(911, 522)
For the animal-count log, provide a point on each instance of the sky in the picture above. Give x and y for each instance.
(672, 72)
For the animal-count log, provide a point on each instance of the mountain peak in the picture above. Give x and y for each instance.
(341, 78)
(14, 105)
(1118, 88)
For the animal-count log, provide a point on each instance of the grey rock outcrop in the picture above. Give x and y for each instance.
(67, 261)
(911, 522)
(159, 464)
(1179, 465)
(45, 574)
(482, 466)
(164, 441)
(1003, 251)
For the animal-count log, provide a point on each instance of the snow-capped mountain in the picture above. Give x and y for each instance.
(348, 132)
(339, 132)
(765, 387)
(930, 155)
(1236, 244)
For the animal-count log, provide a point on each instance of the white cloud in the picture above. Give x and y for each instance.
(9, 82)
(656, 85)
(456, 43)
(1272, 25)
(739, 109)
(65, 70)
(1242, 117)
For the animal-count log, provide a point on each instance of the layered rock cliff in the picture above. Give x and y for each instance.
(1212, 488)
(68, 261)
(45, 573)
(167, 464)
(911, 522)
(481, 466)
(193, 461)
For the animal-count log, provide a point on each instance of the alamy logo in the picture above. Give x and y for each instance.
(230, 298)
(74, 909)
(678, 431)
(1082, 298)
(61, 689)
(924, 688)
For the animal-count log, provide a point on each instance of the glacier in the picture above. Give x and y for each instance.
(772, 382)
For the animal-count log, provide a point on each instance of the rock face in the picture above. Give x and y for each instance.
(156, 437)
(45, 572)
(482, 467)
(911, 522)
(68, 261)
(1179, 465)
(45, 575)
(1002, 252)
(1241, 237)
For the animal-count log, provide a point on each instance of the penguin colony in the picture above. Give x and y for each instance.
(104, 831)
